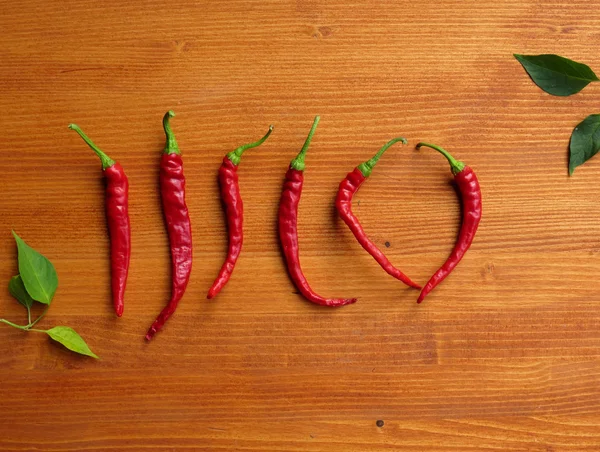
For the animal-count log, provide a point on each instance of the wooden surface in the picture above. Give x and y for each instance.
(503, 356)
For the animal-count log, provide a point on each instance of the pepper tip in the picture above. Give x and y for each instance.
(171, 113)
(150, 334)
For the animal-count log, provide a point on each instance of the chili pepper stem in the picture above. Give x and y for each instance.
(298, 162)
(367, 167)
(236, 155)
(455, 165)
(171, 146)
(107, 162)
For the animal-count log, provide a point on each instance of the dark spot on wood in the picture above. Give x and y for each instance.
(325, 31)
(379, 423)
(388, 244)
(488, 271)
(321, 32)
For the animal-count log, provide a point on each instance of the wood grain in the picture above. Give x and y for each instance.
(505, 355)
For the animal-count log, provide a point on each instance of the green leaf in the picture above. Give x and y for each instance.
(37, 272)
(585, 141)
(71, 340)
(17, 290)
(557, 75)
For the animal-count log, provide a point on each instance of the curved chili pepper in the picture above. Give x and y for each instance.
(288, 226)
(343, 202)
(172, 191)
(470, 195)
(234, 210)
(117, 215)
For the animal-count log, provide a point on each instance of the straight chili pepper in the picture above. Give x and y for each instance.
(470, 195)
(288, 226)
(234, 210)
(343, 202)
(117, 215)
(172, 191)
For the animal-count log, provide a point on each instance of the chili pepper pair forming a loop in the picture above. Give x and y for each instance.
(470, 193)
(117, 215)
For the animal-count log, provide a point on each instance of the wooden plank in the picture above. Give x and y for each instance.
(502, 356)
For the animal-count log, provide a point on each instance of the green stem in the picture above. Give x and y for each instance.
(20, 327)
(367, 167)
(39, 318)
(236, 155)
(31, 324)
(107, 162)
(455, 165)
(171, 146)
(28, 315)
(298, 162)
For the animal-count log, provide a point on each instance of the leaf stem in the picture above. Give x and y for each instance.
(30, 325)
(14, 325)
(38, 319)
(28, 315)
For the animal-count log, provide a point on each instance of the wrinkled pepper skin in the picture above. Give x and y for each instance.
(117, 215)
(470, 195)
(234, 212)
(343, 203)
(177, 219)
(288, 234)
(119, 229)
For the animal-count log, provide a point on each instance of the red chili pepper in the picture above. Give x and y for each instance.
(470, 194)
(288, 226)
(117, 215)
(348, 187)
(172, 190)
(234, 210)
